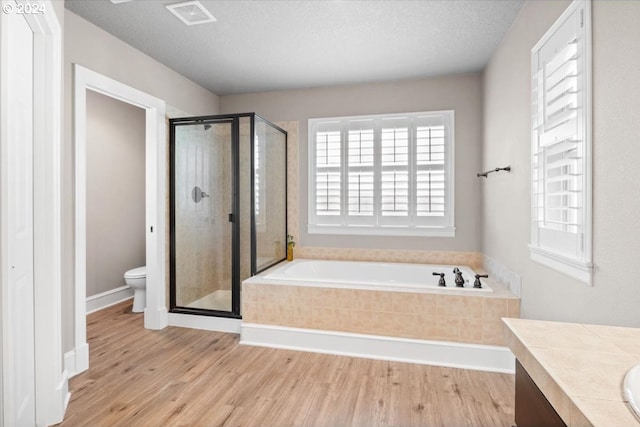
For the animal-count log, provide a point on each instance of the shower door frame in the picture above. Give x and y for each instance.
(235, 211)
(254, 257)
(234, 119)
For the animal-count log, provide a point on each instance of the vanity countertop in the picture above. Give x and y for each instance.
(579, 368)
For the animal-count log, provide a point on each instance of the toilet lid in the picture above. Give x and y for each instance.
(136, 273)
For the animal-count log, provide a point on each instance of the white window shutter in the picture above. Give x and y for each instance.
(258, 174)
(360, 165)
(327, 170)
(395, 156)
(561, 145)
(430, 164)
(382, 175)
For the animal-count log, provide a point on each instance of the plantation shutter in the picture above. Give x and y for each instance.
(430, 168)
(328, 173)
(360, 166)
(259, 178)
(382, 174)
(394, 163)
(560, 142)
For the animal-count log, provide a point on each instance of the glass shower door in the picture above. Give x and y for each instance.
(202, 206)
(270, 194)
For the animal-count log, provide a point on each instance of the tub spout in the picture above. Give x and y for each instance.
(441, 282)
(459, 279)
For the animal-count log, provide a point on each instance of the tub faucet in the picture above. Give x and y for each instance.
(459, 279)
(441, 282)
(477, 283)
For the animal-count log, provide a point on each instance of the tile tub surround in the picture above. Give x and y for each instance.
(426, 315)
(471, 259)
(579, 368)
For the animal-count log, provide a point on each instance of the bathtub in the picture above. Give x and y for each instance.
(371, 275)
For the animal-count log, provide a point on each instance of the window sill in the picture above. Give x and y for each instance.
(578, 269)
(382, 231)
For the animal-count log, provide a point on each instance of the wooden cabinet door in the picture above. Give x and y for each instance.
(532, 407)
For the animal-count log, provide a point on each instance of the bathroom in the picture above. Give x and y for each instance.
(492, 130)
(115, 202)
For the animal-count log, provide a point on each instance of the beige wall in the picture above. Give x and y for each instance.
(614, 297)
(58, 8)
(95, 49)
(462, 93)
(115, 191)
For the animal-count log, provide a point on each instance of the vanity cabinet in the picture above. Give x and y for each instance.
(552, 352)
(532, 407)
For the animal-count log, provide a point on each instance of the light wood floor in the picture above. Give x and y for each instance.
(186, 377)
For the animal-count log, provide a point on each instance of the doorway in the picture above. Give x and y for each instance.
(155, 314)
(115, 198)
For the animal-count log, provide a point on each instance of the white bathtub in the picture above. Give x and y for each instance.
(371, 275)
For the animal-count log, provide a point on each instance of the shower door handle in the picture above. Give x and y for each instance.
(230, 217)
(197, 194)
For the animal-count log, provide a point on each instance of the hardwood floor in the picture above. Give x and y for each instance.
(187, 377)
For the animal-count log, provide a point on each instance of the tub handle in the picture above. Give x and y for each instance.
(477, 283)
(441, 282)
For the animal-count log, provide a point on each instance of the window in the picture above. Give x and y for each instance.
(259, 183)
(382, 175)
(561, 145)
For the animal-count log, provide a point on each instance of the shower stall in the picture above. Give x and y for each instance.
(228, 208)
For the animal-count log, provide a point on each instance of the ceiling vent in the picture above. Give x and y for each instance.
(191, 12)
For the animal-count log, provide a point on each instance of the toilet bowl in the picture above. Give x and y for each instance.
(137, 280)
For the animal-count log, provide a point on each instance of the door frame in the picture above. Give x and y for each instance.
(234, 156)
(155, 313)
(51, 382)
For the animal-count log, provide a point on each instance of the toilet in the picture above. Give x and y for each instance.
(137, 280)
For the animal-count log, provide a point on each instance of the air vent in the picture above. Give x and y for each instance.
(191, 12)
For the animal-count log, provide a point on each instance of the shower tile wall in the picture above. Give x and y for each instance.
(203, 236)
(471, 259)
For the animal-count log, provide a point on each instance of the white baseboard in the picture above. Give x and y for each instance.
(156, 319)
(440, 353)
(64, 395)
(207, 323)
(108, 298)
(76, 361)
(70, 363)
(52, 408)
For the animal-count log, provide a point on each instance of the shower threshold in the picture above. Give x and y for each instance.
(218, 300)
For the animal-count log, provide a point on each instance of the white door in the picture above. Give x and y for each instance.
(17, 300)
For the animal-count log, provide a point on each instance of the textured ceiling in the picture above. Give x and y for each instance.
(268, 45)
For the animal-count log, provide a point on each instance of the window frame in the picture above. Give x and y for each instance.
(377, 225)
(553, 248)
